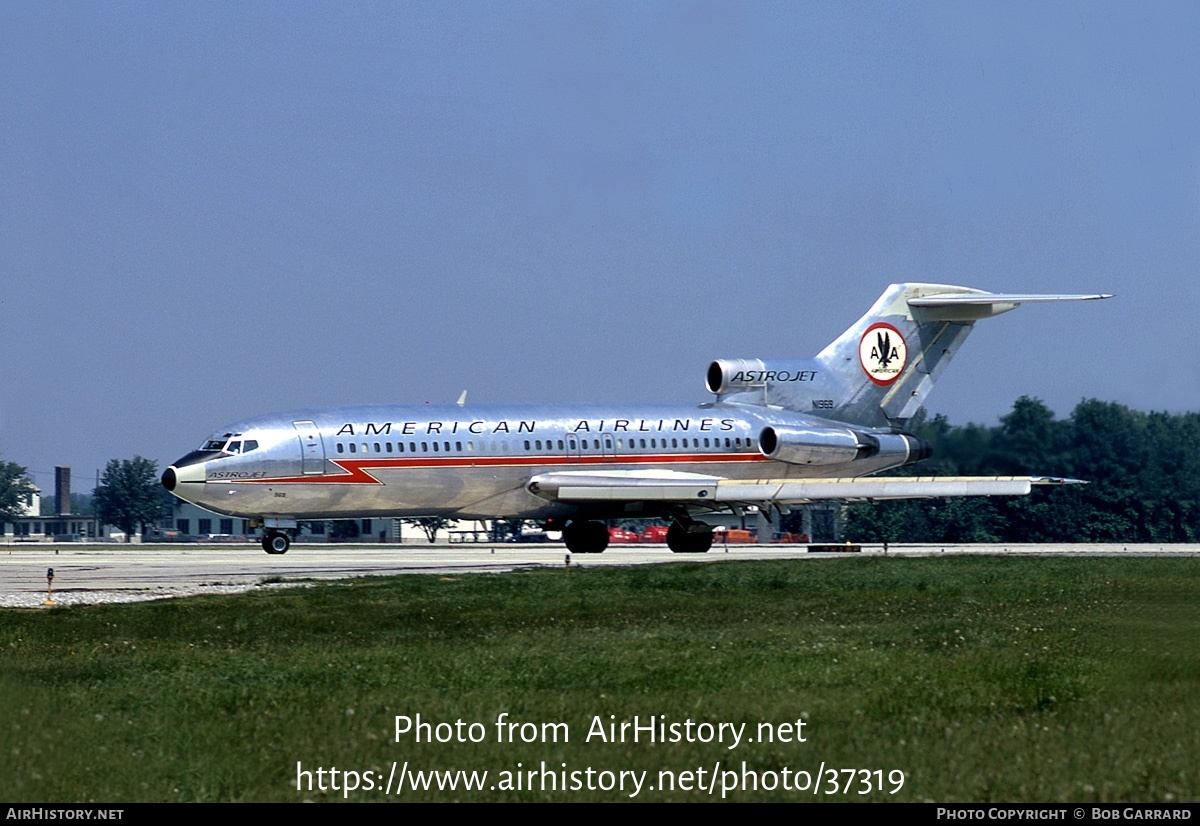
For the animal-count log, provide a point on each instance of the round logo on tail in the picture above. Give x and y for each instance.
(882, 353)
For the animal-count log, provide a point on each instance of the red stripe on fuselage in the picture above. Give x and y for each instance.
(358, 471)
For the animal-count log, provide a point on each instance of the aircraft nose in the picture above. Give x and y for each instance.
(175, 475)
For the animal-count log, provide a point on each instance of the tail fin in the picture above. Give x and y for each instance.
(879, 372)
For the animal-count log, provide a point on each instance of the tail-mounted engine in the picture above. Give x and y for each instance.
(836, 446)
(736, 375)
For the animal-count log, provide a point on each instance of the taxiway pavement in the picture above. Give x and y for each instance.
(89, 574)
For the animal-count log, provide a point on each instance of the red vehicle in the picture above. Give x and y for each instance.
(655, 533)
(620, 536)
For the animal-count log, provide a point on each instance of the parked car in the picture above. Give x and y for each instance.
(655, 533)
(620, 536)
(527, 536)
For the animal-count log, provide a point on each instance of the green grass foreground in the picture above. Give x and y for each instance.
(998, 678)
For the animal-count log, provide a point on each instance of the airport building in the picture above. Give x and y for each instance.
(63, 526)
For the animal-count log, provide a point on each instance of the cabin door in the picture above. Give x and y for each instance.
(574, 453)
(312, 448)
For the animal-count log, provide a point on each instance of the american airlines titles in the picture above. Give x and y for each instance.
(524, 426)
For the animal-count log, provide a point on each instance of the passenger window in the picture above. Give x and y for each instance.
(424, 447)
(458, 446)
(446, 445)
(538, 444)
(341, 448)
(353, 448)
(560, 445)
(400, 447)
(706, 442)
(435, 447)
(389, 447)
(674, 443)
(366, 448)
(527, 444)
(377, 447)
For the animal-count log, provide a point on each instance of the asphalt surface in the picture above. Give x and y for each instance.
(89, 574)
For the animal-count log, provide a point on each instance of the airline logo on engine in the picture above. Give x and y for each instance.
(882, 353)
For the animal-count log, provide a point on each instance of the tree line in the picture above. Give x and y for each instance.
(1142, 470)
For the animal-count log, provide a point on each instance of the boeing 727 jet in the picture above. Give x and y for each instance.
(777, 433)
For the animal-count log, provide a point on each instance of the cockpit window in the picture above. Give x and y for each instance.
(227, 446)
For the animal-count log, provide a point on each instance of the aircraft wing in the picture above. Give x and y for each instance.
(698, 489)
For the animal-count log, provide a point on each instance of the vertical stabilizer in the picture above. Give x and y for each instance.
(885, 365)
(879, 372)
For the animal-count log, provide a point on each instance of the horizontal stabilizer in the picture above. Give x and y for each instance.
(954, 299)
(973, 305)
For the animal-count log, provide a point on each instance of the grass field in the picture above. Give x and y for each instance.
(996, 678)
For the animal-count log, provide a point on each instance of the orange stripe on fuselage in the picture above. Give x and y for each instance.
(358, 471)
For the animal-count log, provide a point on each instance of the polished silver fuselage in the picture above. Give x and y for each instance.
(475, 462)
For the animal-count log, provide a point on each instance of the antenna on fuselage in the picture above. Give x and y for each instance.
(462, 399)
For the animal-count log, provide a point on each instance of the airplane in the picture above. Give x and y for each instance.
(777, 433)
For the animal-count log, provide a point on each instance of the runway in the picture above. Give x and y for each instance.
(91, 574)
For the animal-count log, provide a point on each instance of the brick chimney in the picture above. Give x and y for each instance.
(62, 490)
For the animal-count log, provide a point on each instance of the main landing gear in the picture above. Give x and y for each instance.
(586, 537)
(685, 536)
(276, 542)
(689, 537)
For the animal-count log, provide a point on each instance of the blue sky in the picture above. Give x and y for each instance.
(213, 210)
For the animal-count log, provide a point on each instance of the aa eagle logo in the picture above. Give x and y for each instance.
(882, 353)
